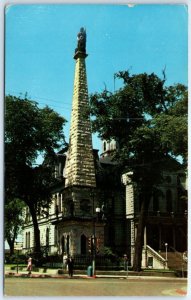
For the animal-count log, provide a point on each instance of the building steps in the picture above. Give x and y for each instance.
(175, 260)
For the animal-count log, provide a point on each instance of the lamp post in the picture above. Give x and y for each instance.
(166, 246)
(94, 241)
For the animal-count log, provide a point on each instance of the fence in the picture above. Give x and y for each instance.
(83, 261)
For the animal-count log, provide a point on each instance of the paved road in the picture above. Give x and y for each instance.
(94, 287)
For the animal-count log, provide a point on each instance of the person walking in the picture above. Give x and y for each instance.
(70, 263)
(125, 258)
(65, 259)
(29, 265)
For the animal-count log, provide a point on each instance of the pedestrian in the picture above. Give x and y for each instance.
(29, 265)
(70, 263)
(65, 258)
(125, 260)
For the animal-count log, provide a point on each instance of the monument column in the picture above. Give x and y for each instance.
(79, 195)
(79, 168)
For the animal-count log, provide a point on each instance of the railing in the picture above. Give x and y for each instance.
(83, 261)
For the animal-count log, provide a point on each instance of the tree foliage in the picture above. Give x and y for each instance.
(172, 125)
(13, 221)
(137, 109)
(29, 132)
(149, 122)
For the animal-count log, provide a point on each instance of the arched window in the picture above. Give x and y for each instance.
(83, 244)
(168, 200)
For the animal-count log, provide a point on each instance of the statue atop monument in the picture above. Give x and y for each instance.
(81, 39)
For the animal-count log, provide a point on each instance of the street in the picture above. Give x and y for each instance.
(94, 287)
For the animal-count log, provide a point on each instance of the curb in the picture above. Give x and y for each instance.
(83, 276)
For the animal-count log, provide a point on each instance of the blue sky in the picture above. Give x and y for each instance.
(40, 41)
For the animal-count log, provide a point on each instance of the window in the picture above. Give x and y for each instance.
(68, 244)
(27, 239)
(27, 215)
(47, 237)
(63, 245)
(59, 202)
(55, 235)
(55, 203)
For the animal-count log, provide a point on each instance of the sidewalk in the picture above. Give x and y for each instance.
(54, 273)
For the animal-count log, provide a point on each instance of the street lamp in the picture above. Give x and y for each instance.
(98, 209)
(166, 246)
(94, 241)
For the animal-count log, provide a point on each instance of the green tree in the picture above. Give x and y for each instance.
(30, 131)
(134, 116)
(13, 221)
(173, 124)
